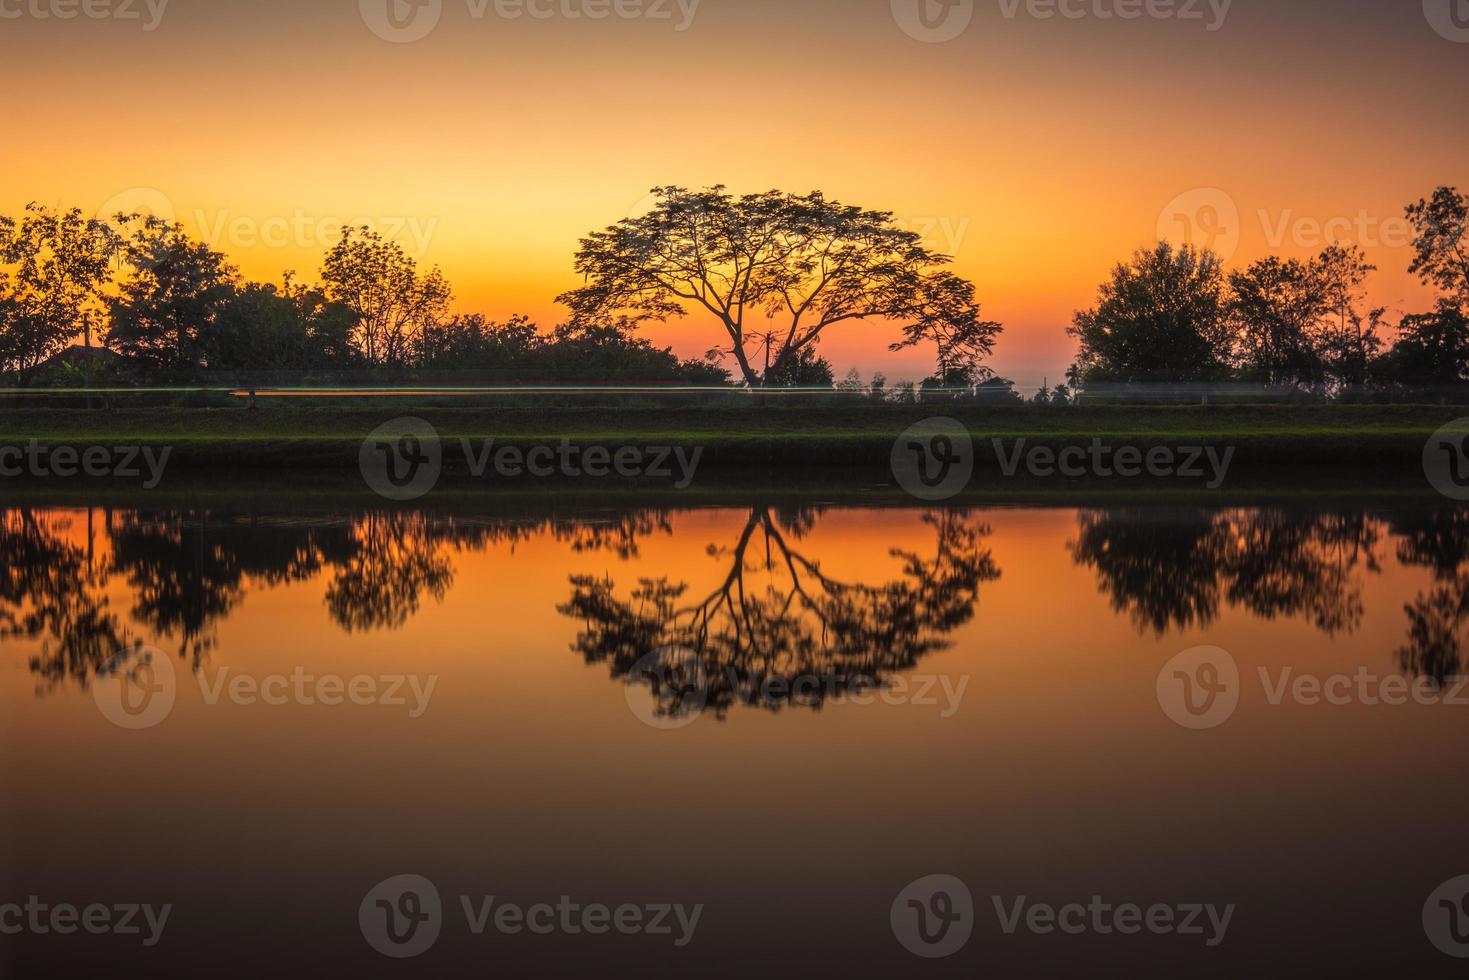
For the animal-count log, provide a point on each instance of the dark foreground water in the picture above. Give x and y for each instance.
(734, 741)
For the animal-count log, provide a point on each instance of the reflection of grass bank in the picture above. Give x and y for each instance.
(338, 491)
(850, 435)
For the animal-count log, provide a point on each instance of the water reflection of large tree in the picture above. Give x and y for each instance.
(776, 615)
(1178, 567)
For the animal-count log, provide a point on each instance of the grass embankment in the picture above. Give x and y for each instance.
(328, 435)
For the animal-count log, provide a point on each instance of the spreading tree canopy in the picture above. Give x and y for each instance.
(791, 265)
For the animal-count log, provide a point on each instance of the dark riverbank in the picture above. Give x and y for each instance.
(315, 436)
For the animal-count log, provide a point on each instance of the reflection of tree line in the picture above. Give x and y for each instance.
(1180, 567)
(775, 611)
(187, 572)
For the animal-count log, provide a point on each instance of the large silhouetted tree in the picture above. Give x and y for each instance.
(795, 264)
(1160, 318)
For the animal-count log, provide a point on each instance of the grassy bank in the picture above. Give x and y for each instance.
(315, 435)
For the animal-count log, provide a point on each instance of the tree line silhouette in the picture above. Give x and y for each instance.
(770, 274)
(1174, 315)
(775, 613)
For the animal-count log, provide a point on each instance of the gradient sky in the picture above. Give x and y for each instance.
(1038, 151)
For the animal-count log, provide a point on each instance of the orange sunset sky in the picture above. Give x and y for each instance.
(1037, 150)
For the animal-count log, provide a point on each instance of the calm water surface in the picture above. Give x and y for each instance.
(255, 716)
